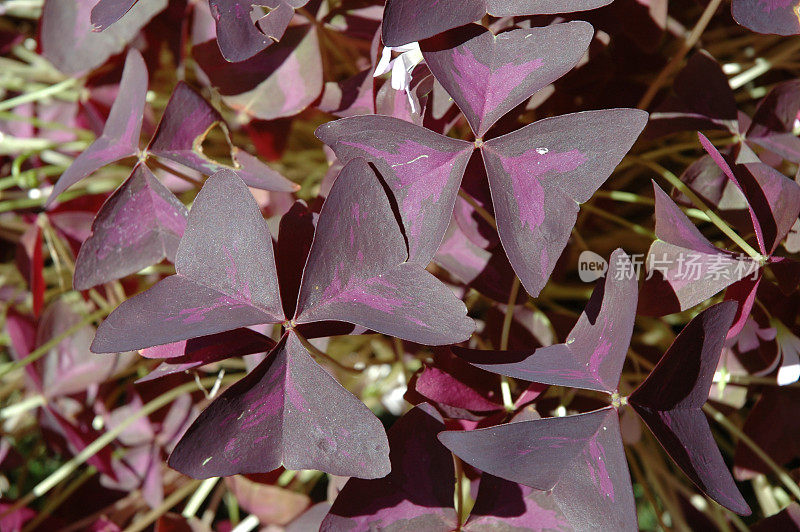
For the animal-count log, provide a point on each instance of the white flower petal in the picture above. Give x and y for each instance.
(385, 63)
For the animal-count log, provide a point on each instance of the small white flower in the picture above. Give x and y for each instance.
(789, 346)
(400, 67)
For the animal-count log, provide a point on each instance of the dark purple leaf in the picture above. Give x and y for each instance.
(225, 276)
(187, 119)
(278, 82)
(540, 174)
(67, 39)
(594, 351)
(767, 16)
(452, 382)
(671, 398)
(685, 267)
(488, 75)
(406, 21)
(239, 38)
(357, 270)
(288, 411)
(139, 225)
(774, 426)
(107, 12)
(423, 170)
(702, 100)
(788, 520)
(503, 506)
(579, 459)
(416, 495)
(773, 121)
(120, 136)
(295, 235)
(189, 354)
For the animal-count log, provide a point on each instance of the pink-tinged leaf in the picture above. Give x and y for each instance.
(187, 120)
(120, 136)
(671, 398)
(503, 506)
(70, 367)
(720, 161)
(189, 354)
(356, 270)
(30, 262)
(422, 169)
(684, 268)
(452, 382)
(226, 276)
(579, 459)
(272, 505)
(773, 198)
(288, 411)
(744, 293)
(540, 174)
(78, 437)
(416, 495)
(351, 97)
(488, 75)
(67, 39)
(280, 81)
(777, 17)
(239, 38)
(139, 225)
(406, 21)
(594, 351)
(107, 12)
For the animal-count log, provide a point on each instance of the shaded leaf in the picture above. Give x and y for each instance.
(288, 411)
(540, 174)
(139, 225)
(488, 75)
(120, 136)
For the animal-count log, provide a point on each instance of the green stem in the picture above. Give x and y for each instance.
(199, 497)
(505, 385)
(698, 202)
(140, 523)
(38, 94)
(630, 197)
(106, 438)
(322, 354)
(636, 228)
(782, 475)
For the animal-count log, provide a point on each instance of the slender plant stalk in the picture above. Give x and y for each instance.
(676, 59)
(140, 523)
(199, 497)
(698, 202)
(106, 438)
(486, 215)
(318, 353)
(782, 475)
(40, 94)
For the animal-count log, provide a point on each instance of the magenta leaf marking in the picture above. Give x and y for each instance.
(288, 411)
(120, 136)
(139, 225)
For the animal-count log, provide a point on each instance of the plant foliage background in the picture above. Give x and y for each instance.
(454, 265)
